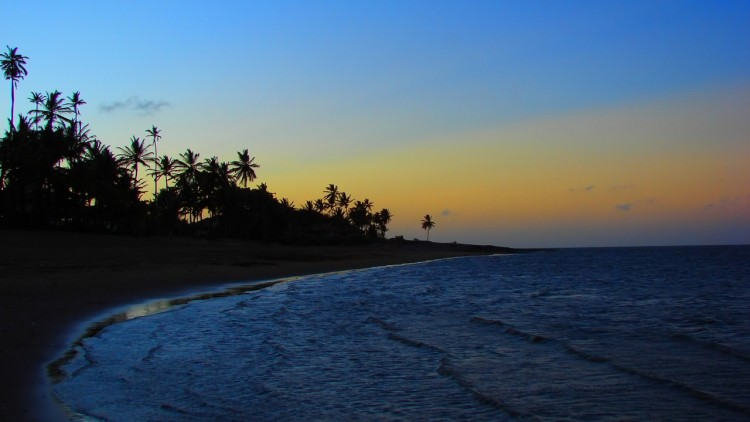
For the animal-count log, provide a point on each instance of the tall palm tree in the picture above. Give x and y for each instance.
(155, 135)
(427, 224)
(14, 69)
(244, 168)
(53, 109)
(75, 101)
(164, 166)
(38, 99)
(133, 155)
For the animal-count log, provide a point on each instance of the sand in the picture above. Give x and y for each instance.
(54, 284)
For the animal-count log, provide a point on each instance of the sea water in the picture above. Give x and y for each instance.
(584, 334)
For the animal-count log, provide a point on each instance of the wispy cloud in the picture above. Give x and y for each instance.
(449, 213)
(627, 206)
(624, 207)
(135, 104)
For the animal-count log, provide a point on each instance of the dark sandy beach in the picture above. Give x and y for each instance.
(52, 283)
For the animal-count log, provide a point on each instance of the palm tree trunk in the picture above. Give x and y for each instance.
(156, 169)
(12, 107)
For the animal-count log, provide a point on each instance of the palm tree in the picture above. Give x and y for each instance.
(14, 69)
(309, 206)
(331, 195)
(360, 216)
(320, 206)
(38, 99)
(188, 168)
(155, 135)
(75, 101)
(164, 166)
(133, 155)
(427, 224)
(53, 109)
(382, 219)
(367, 204)
(219, 172)
(213, 180)
(187, 165)
(244, 168)
(344, 201)
(287, 204)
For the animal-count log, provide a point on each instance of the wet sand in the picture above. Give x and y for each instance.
(52, 284)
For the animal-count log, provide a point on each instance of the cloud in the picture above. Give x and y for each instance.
(136, 104)
(448, 213)
(627, 206)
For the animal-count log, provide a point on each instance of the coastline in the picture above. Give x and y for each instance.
(54, 284)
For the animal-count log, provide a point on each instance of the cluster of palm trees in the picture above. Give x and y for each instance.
(342, 208)
(55, 173)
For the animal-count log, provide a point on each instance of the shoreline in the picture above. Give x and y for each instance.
(53, 285)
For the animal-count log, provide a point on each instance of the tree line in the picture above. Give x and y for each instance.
(54, 173)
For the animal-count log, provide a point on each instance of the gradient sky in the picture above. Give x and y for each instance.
(518, 123)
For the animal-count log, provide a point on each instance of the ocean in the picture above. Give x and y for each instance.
(574, 334)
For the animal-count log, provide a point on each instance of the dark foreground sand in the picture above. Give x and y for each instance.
(52, 284)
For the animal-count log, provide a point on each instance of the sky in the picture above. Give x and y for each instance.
(514, 123)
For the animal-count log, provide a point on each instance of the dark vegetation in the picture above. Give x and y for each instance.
(55, 174)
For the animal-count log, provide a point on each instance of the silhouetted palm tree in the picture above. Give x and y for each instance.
(155, 135)
(53, 109)
(188, 166)
(75, 101)
(14, 69)
(427, 224)
(133, 155)
(287, 204)
(214, 179)
(309, 206)
(244, 168)
(382, 219)
(344, 201)
(320, 206)
(38, 99)
(367, 204)
(165, 167)
(360, 216)
(331, 196)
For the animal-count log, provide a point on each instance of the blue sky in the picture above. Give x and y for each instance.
(308, 86)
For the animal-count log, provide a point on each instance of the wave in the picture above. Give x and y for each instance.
(712, 346)
(382, 324)
(446, 369)
(651, 377)
(531, 338)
